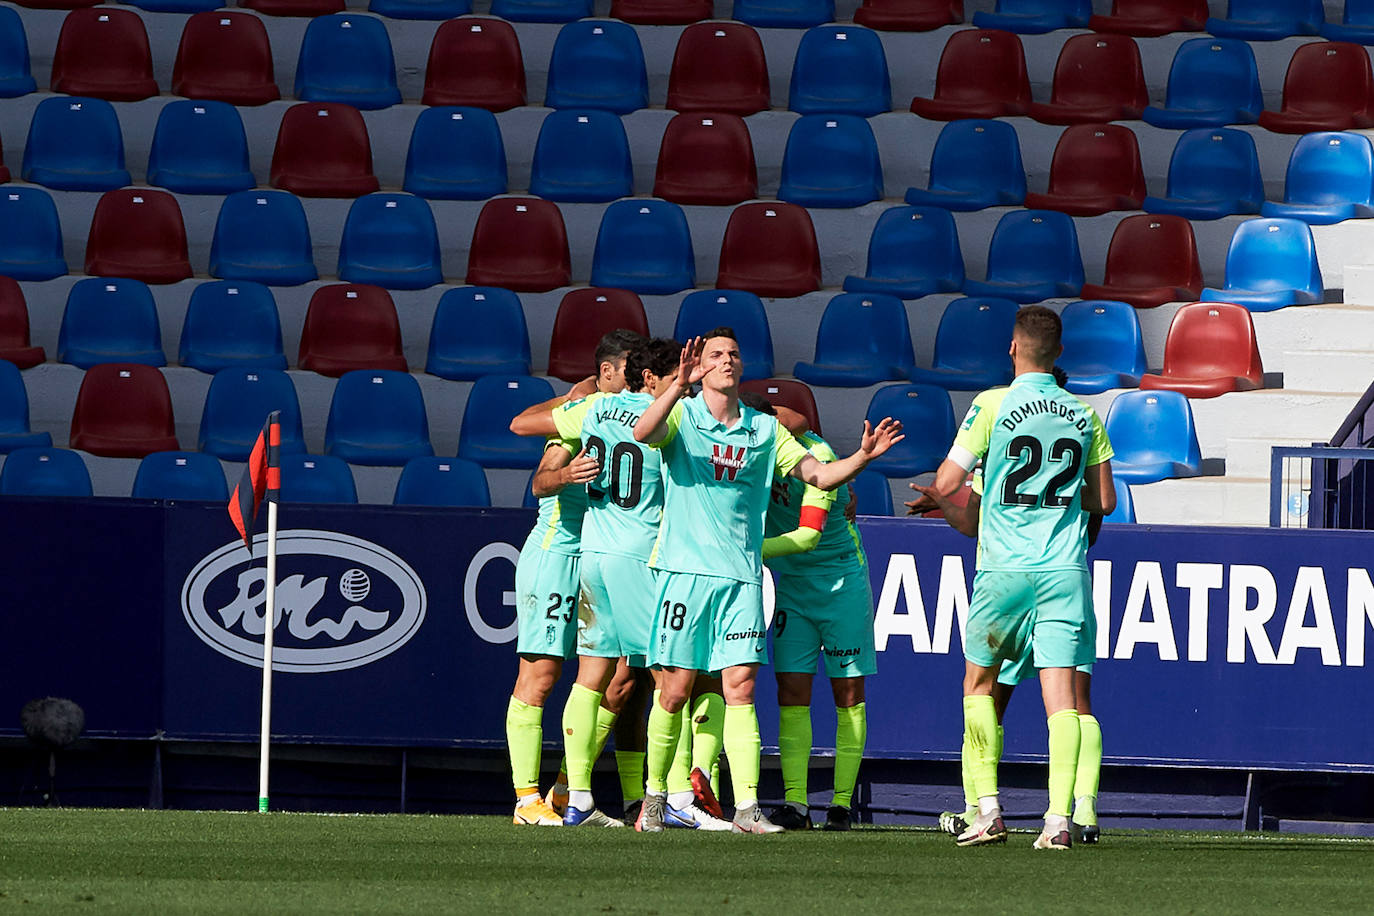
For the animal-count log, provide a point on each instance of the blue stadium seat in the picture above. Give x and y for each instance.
(927, 416)
(236, 405)
(75, 144)
(831, 161)
(644, 246)
(455, 154)
(263, 236)
(1356, 25)
(872, 493)
(420, 9)
(30, 235)
(38, 471)
(597, 63)
(347, 57)
(971, 346)
(581, 157)
(840, 69)
(110, 320)
(1268, 20)
(740, 309)
(914, 252)
(1124, 513)
(485, 436)
(1213, 172)
(1271, 263)
(431, 481)
(1153, 436)
(1330, 177)
(784, 14)
(1034, 17)
(976, 164)
(477, 331)
(1212, 82)
(1033, 256)
(863, 339)
(541, 10)
(390, 240)
(1103, 347)
(14, 412)
(530, 501)
(231, 323)
(16, 78)
(181, 475)
(377, 417)
(176, 6)
(200, 148)
(317, 479)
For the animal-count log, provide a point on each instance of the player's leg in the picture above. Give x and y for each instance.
(525, 737)
(980, 737)
(844, 618)
(851, 736)
(630, 742)
(794, 745)
(1057, 687)
(708, 739)
(581, 739)
(1084, 826)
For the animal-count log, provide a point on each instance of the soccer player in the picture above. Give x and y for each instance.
(1046, 459)
(719, 459)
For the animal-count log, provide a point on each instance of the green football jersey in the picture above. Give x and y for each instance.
(558, 526)
(625, 502)
(840, 549)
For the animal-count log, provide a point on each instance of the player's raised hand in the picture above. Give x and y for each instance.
(583, 468)
(689, 367)
(878, 439)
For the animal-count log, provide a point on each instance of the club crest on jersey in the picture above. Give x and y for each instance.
(727, 460)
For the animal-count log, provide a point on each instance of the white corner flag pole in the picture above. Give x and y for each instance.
(269, 624)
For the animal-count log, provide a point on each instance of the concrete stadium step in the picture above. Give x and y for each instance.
(1248, 456)
(1203, 501)
(1337, 371)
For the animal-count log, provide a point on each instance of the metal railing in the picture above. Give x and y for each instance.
(1321, 487)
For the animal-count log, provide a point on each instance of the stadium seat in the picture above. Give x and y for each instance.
(1152, 259)
(200, 148)
(4, 170)
(1153, 436)
(982, 74)
(138, 233)
(1097, 78)
(840, 69)
(1124, 513)
(41, 471)
(542, 10)
(1103, 347)
(584, 317)
(420, 9)
(475, 63)
(831, 161)
(1096, 169)
(976, 164)
(719, 68)
(455, 154)
(770, 250)
(909, 16)
(872, 494)
(1213, 172)
(784, 14)
(123, 410)
(927, 416)
(181, 475)
(644, 245)
(1271, 263)
(914, 251)
(971, 346)
(1033, 256)
(662, 12)
(581, 157)
(707, 309)
(30, 236)
(1330, 176)
(323, 150)
(14, 413)
(236, 405)
(295, 7)
(110, 321)
(390, 240)
(377, 418)
(347, 58)
(16, 77)
(530, 501)
(430, 481)
(231, 323)
(225, 56)
(75, 144)
(477, 331)
(1356, 25)
(862, 340)
(787, 392)
(349, 326)
(15, 346)
(1329, 86)
(1151, 18)
(597, 64)
(321, 479)
(706, 159)
(485, 435)
(1033, 17)
(1212, 82)
(262, 236)
(1267, 20)
(520, 243)
(1211, 349)
(103, 53)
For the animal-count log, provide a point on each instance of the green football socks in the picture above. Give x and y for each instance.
(1064, 746)
(524, 740)
(980, 734)
(580, 734)
(665, 729)
(605, 724)
(794, 748)
(680, 774)
(742, 748)
(966, 773)
(851, 734)
(708, 732)
(1089, 771)
(630, 766)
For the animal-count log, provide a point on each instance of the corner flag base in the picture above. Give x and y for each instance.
(262, 805)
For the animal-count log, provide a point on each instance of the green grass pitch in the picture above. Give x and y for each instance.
(217, 862)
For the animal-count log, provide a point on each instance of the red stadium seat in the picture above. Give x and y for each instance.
(1097, 78)
(1329, 86)
(584, 316)
(138, 233)
(1095, 169)
(351, 326)
(295, 7)
(788, 392)
(4, 171)
(323, 151)
(520, 243)
(909, 15)
(1152, 260)
(662, 12)
(719, 67)
(706, 159)
(475, 62)
(770, 249)
(225, 57)
(1150, 18)
(14, 327)
(103, 53)
(1211, 349)
(123, 410)
(982, 74)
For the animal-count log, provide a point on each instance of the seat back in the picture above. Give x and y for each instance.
(1329, 79)
(909, 16)
(915, 251)
(231, 323)
(1042, 15)
(431, 481)
(1214, 73)
(1153, 250)
(1330, 168)
(860, 329)
(1153, 426)
(872, 493)
(420, 9)
(519, 243)
(981, 65)
(485, 435)
(581, 156)
(236, 404)
(1095, 160)
(840, 69)
(104, 53)
(110, 321)
(1100, 337)
(377, 418)
(707, 309)
(719, 67)
(927, 417)
(1267, 12)
(390, 240)
(351, 326)
(831, 161)
(15, 346)
(123, 410)
(138, 233)
(14, 411)
(706, 159)
(317, 479)
(1099, 69)
(475, 62)
(662, 12)
(263, 236)
(200, 148)
(784, 14)
(180, 475)
(1273, 254)
(1124, 513)
(786, 392)
(478, 330)
(1215, 163)
(977, 154)
(1035, 245)
(455, 154)
(1213, 339)
(644, 246)
(346, 57)
(1358, 13)
(30, 235)
(16, 78)
(541, 10)
(225, 56)
(770, 249)
(75, 144)
(584, 316)
(39, 471)
(597, 64)
(323, 150)
(974, 334)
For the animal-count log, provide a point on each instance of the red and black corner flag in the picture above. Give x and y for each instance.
(261, 478)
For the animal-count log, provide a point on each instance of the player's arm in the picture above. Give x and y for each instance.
(970, 445)
(815, 508)
(827, 475)
(963, 519)
(538, 420)
(1099, 493)
(653, 425)
(559, 468)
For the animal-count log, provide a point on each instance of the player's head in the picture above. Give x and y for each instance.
(790, 420)
(610, 358)
(1035, 343)
(721, 359)
(652, 365)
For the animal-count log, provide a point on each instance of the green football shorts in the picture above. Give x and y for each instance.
(546, 588)
(1046, 615)
(707, 623)
(833, 614)
(618, 600)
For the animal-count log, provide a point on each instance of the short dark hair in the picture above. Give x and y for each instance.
(1061, 378)
(660, 355)
(722, 331)
(757, 401)
(616, 344)
(1040, 328)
